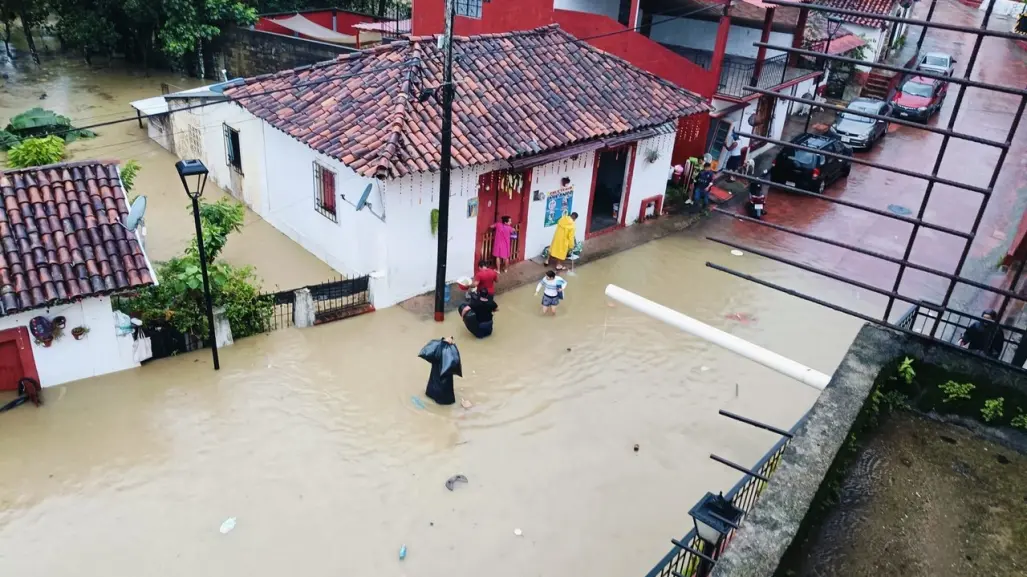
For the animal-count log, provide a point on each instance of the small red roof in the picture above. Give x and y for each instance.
(60, 236)
(517, 94)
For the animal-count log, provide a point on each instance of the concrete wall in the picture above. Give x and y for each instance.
(702, 35)
(252, 52)
(781, 111)
(98, 353)
(649, 178)
(610, 8)
(874, 37)
(546, 179)
(158, 128)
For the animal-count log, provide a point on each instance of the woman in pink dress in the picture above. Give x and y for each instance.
(501, 244)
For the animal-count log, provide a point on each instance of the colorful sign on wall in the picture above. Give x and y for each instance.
(559, 203)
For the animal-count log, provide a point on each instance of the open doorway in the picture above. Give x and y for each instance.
(611, 177)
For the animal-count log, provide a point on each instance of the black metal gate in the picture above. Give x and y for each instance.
(935, 329)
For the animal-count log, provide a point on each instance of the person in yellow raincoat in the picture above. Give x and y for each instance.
(563, 239)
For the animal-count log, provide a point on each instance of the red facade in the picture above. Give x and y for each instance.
(500, 16)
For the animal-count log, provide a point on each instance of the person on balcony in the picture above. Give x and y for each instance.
(985, 337)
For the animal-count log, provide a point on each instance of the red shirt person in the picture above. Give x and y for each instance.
(486, 278)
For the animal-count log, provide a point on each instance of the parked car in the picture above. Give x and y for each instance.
(808, 170)
(859, 131)
(918, 98)
(937, 62)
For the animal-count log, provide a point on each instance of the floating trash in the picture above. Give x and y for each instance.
(417, 402)
(452, 481)
(228, 525)
(518, 532)
(736, 252)
(402, 552)
(899, 210)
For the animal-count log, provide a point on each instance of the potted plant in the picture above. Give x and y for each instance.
(79, 332)
(59, 322)
(652, 155)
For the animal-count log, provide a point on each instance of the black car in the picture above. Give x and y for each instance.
(859, 131)
(809, 170)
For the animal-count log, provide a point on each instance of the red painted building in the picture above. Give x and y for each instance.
(335, 26)
(699, 45)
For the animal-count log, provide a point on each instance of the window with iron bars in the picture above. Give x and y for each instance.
(324, 192)
(469, 8)
(233, 152)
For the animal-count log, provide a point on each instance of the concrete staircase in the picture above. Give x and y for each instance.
(878, 85)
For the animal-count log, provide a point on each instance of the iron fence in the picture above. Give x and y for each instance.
(743, 495)
(946, 325)
(281, 316)
(340, 299)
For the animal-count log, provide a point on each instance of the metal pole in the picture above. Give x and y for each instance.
(827, 67)
(445, 163)
(753, 352)
(923, 29)
(206, 282)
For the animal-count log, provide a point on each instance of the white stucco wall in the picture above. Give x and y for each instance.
(546, 178)
(100, 352)
(246, 186)
(702, 35)
(874, 38)
(649, 178)
(158, 128)
(782, 109)
(609, 8)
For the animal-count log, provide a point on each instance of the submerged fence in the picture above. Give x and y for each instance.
(743, 495)
(330, 301)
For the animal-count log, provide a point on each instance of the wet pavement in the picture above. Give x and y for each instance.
(984, 114)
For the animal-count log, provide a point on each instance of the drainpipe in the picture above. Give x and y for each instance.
(335, 20)
(761, 55)
(719, 47)
(756, 353)
(633, 15)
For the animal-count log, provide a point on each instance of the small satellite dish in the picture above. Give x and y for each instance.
(135, 213)
(752, 120)
(363, 197)
(807, 96)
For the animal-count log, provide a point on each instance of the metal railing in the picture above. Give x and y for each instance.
(743, 495)
(490, 239)
(949, 326)
(340, 299)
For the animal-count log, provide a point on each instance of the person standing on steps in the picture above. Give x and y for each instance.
(504, 232)
(563, 239)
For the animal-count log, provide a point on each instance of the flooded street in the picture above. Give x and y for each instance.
(310, 438)
(93, 96)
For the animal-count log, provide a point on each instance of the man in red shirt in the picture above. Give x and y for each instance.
(486, 278)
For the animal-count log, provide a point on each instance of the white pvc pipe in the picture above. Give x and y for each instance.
(769, 359)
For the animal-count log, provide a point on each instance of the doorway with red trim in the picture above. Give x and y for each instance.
(612, 181)
(502, 193)
(16, 359)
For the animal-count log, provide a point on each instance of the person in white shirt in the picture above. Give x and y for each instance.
(734, 148)
(551, 286)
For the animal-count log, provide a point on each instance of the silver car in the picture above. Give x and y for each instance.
(937, 62)
(861, 132)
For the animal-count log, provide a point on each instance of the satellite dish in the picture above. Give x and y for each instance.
(135, 213)
(752, 120)
(807, 96)
(363, 197)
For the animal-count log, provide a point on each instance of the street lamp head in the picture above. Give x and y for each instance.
(195, 172)
(714, 517)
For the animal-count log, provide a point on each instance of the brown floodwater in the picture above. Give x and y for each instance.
(311, 438)
(100, 94)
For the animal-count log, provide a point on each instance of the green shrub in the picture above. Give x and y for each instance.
(992, 409)
(128, 175)
(1019, 421)
(906, 372)
(36, 152)
(954, 390)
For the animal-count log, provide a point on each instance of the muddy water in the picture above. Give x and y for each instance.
(96, 95)
(310, 438)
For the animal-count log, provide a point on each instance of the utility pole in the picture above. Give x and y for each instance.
(445, 163)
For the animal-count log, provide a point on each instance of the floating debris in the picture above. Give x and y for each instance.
(228, 525)
(452, 481)
(736, 252)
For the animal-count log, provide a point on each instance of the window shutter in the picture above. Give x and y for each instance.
(328, 185)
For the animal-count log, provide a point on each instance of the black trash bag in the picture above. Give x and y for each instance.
(444, 358)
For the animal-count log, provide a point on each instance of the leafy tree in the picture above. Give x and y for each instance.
(187, 24)
(178, 299)
(128, 175)
(32, 13)
(36, 152)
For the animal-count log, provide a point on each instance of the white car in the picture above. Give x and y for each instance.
(937, 62)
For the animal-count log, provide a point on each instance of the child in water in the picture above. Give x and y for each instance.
(551, 287)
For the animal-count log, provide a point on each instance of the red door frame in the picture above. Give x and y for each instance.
(20, 336)
(632, 148)
(493, 189)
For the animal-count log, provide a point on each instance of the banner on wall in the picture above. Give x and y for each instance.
(558, 203)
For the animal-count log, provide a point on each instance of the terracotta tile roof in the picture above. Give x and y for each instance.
(60, 236)
(883, 7)
(517, 94)
(815, 35)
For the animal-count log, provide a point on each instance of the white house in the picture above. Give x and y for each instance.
(343, 156)
(64, 252)
(880, 36)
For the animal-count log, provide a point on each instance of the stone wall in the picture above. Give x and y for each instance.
(767, 532)
(252, 52)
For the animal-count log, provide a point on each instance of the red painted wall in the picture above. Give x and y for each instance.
(344, 21)
(638, 50)
(496, 16)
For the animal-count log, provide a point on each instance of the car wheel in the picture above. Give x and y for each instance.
(847, 170)
(822, 187)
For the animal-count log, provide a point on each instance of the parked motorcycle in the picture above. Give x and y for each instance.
(758, 196)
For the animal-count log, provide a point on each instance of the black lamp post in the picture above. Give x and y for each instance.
(194, 171)
(714, 518)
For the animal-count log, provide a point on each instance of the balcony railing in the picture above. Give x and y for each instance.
(736, 72)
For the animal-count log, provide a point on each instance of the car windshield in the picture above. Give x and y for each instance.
(939, 61)
(854, 118)
(802, 157)
(917, 89)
